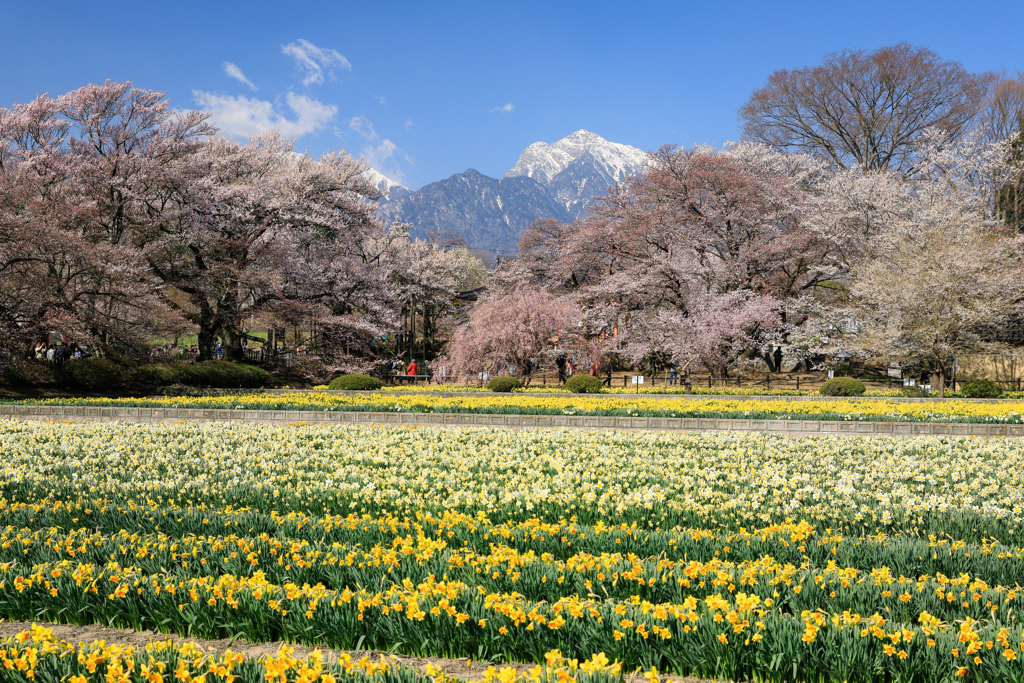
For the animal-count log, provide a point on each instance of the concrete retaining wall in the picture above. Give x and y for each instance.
(787, 427)
(192, 391)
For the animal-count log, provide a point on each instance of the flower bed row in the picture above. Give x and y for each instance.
(626, 406)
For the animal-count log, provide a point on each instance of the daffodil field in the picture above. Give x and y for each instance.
(737, 556)
(35, 654)
(879, 410)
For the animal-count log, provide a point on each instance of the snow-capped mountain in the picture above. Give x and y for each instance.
(578, 167)
(556, 180)
(382, 182)
(490, 214)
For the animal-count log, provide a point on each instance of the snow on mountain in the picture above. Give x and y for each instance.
(382, 182)
(556, 181)
(578, 167)
(543, 161)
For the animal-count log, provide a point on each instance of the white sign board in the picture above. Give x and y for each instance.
(831, 374)
(894, 372)
(638, 379)
(908, 382)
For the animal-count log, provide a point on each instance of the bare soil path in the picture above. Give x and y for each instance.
(462, 668)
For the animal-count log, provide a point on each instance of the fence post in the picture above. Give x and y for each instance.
(769, 382)
(709, 381)
(798, 382)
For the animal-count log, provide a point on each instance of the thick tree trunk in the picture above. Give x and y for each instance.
(231, 339)
(208, 324)
(207, 342)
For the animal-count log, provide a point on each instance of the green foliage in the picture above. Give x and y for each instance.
(842, 386)
(156, 374)
(29, 374)
(222, 374)
(980, 388)
(94, 374)
(582, 383)
(355, 382)
(503, 384)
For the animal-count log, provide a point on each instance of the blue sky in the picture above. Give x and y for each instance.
(424, 90)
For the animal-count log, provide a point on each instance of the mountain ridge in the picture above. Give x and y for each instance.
(558, 180)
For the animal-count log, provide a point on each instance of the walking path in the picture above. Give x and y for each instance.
(562, 394)
(463, 669)
(785, 427)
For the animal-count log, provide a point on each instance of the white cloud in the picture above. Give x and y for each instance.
(314, 60)
(236, 73)
(504, 110)
(408, 123)
(381, 154)
(242, 116)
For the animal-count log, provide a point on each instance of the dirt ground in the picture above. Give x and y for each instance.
(459, 668)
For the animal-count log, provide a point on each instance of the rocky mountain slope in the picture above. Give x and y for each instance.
(549, 181)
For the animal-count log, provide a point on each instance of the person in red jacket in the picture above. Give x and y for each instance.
(412, 368)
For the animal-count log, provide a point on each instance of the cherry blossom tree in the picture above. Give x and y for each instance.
(79, 174)
(702, 233)
(940, 272)
(264, 228)
(511, 332)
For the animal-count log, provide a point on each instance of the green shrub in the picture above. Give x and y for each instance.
(222, 374)
(503, 384)
(156, 374)
(980, 388)
(31, 373)
(582, 383)
(94, 374)
(355, 383)
(916, 391)
(842, 386)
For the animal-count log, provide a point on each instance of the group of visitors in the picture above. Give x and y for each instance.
(567, 368)
(53, 351)
(402, 372)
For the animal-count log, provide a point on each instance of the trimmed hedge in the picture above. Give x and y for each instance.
(94, 374)
(980, 388)
(157, 374)
(582, 383)
(842, 386)
(222, 374)
(355, 383)
(32, 373)
(503, 384)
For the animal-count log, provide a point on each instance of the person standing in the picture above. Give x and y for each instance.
(560, 363)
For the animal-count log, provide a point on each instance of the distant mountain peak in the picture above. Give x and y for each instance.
(558, 180)
(381, 181)
(543, 161)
